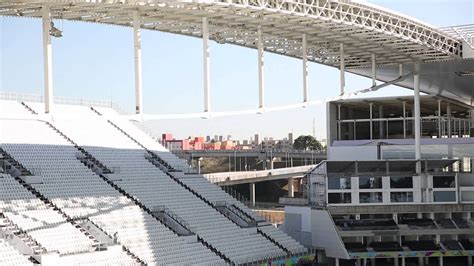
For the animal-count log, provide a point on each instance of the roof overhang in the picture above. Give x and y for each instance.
(364, 29)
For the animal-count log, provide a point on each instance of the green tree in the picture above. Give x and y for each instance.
(307, 142)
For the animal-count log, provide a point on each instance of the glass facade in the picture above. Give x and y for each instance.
(370, 182)
(370, 197)
(444, 196)
(401, 197)
(401, 182)
(339, 198)
(339, 183)
(444, 182)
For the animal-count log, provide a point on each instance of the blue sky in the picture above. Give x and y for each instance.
(96, 62)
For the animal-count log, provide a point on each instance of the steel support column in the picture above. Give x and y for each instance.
(448, 115)
(342, 69)
(440, 134)
(371, 105)
(47, 61)
(417, 116)
(291, 188)
(137, 47)
(305, 68)
(205, 60)
(404, 106)
(252, 194)
(261, 75)
(374, 71)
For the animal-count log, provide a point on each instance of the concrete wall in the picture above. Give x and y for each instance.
(352, 153)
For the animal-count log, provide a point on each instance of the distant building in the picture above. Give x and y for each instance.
(256, 139)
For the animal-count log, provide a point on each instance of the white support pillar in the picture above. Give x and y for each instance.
(291, 188)
(261, 74)
(374, 71)
(342, 69)
(371, 106)
(205, 60)
(440, 134)
(252, 194)
(137, 41)
(448, 115)
(305, 68)
(47, 61)
(404, 106)
(338, 122)
(417, 117)
(400, 70)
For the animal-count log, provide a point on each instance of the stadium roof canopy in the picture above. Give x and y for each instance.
(365, 30)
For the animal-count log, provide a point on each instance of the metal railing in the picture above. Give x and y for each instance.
(37, 98)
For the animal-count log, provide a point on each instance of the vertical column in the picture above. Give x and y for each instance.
(371, 105)
(261, 76)
(137, 40)
(374, 72)
(338, 122)
(305, 69)
(252, 194)
(205, 60)
(291, 188)
(417, 115)
(471, 116)
(342, 70)
(381, 123)
(404, 107)
(47, 61)
(400, 70)
(448, 115)
(439, 119)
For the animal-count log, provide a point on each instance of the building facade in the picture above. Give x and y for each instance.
(370, 204)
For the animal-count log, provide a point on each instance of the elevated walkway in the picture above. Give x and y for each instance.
(235, 178)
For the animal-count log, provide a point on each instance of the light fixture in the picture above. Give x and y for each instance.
(55, 32)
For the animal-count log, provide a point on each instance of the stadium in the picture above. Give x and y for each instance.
(83, 184)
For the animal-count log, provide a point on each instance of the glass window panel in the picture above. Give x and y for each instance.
(443, 181)
(401, 182)
(339, 198)
(367, 182)
(444, 196)
(401, 197)
(370, 197)
(339, 183)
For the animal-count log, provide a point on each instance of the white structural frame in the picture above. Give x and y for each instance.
(47, 60)
(205, 60)
(342, 69)
(304, 47)
(417, 116)
(261, 69)
(374, 71)
(343, 34)
(137, 48)
(365, 29)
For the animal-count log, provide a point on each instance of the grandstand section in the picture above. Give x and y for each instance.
(100, 172)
